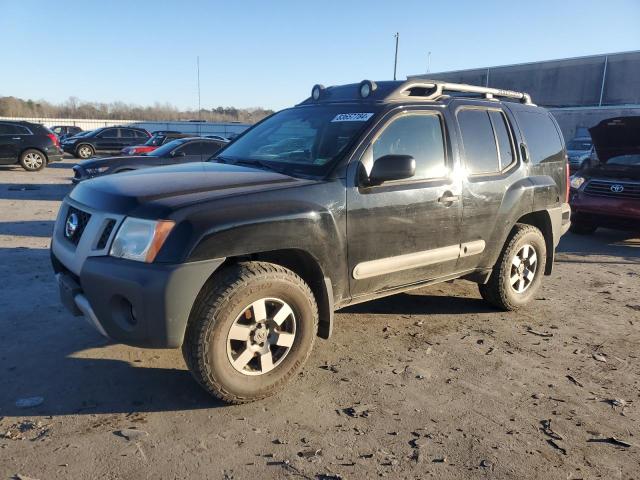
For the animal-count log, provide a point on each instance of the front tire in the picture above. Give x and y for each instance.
(85, 151)
(33, 160)
(517, 274)
(251, 330)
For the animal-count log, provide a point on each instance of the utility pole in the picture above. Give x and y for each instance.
(198, 73)
(395, 62)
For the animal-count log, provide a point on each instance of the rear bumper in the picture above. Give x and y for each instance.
(144, 305)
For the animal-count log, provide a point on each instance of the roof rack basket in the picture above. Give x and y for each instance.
(439, 89)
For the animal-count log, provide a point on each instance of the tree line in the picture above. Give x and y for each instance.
(76, 108)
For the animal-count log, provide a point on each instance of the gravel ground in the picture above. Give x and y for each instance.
(429, 384)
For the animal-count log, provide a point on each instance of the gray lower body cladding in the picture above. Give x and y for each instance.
(143, 305)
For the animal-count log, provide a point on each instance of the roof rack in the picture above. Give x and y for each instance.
(439, 89)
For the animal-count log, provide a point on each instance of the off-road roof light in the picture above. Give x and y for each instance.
(316, 91)
(367, 87)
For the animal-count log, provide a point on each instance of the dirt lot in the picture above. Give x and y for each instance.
(429, 384)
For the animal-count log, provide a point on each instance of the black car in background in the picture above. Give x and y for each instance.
(183, 150)
(30, 144)
(64, 131)
(104, 140)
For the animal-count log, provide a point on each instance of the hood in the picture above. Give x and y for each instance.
(110, 161)
(606, 171)
(616, 136)
(155, 192)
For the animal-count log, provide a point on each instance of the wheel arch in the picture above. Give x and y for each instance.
(46, 157)
(542, 221)
(307, 267)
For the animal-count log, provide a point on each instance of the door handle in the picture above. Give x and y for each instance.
(16, 138)
(448, 198)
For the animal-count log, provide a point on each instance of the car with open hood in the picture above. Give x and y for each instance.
(181, 150)
(358, 192)
(605, 192)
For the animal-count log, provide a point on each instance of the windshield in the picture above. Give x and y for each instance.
(579, 145)
(165, 149)
(303, 140)
(626, 160)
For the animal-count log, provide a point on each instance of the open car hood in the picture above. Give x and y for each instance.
(616, 136)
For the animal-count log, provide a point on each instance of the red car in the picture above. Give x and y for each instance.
(606, 191)
(157, 139)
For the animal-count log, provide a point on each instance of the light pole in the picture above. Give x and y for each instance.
(395, 61)
(198, 73)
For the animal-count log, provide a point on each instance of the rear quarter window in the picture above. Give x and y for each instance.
(542, 137)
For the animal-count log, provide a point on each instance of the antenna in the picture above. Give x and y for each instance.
(198, 74)
(429, 62)
(395, 61)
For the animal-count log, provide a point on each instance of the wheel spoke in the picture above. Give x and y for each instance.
(284, 339)
(239, 332)
(516, 261)
(529, 275)
(266, 361)
(514, 279)
(525, 252)
(520, 286)
(259, 310)
(533, 258)
(282, 314)
(244, 358)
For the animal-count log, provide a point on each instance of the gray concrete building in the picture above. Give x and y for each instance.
(579, 91)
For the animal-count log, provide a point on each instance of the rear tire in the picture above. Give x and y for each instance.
(517, 275)
(85, 151)
(33, 160)
(250, 331)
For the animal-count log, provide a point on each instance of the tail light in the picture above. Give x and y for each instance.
(54, 138)
(567, 184)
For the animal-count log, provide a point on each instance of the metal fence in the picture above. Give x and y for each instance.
(223, 129)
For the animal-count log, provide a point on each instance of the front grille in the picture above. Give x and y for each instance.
(74, 234)
(611, 189)
(106, 233)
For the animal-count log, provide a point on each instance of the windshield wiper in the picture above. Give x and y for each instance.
(261, 163)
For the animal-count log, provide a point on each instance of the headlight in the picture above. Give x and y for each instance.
(139, 239)
(576, 181)
(95, 171)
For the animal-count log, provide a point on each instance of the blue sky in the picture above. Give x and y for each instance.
(270, 53)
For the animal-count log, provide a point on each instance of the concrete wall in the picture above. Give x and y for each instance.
(571, 82)
(571, 119)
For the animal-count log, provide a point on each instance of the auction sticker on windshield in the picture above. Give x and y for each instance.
(352, 117)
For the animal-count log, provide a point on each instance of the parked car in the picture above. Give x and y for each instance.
(31, 145)
(362, 191)
(606, 192)
(182, 150)
(104, 140)
(157, 139)
(64, 131)
(578, 152)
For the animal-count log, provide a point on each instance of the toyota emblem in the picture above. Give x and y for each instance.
(617, 188)
(71, 226)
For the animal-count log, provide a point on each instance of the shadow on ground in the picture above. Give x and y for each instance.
(28, 228)
(33, 191)
(625, 246)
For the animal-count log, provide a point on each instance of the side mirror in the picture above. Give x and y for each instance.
(392, 167)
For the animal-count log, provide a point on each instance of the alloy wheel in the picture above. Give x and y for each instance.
(523, 268)
(33, 161)
(261, 336)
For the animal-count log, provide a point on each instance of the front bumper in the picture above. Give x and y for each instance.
(603, 211)
(139, 304)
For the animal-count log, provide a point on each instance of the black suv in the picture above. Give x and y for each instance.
(104, 140)
(182, 150)
(360, 191)
(64, 131)
(30, 144)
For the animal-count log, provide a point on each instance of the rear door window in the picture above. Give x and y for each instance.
(503, 136)
(7, 129)
(541, 135)
(192, 148)
(126, 133)
(480, 150)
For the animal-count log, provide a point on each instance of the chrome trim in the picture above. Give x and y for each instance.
(383, 266)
